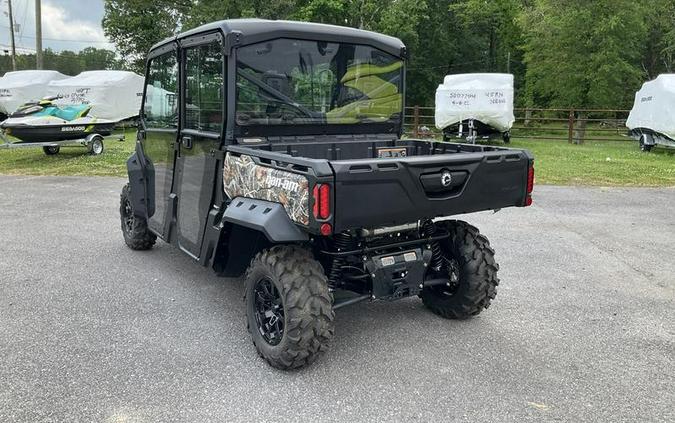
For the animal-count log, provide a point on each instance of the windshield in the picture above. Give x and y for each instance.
(291, 82)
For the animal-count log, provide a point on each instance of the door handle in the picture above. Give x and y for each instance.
(186, 142)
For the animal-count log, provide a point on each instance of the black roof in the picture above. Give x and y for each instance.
(257, 30)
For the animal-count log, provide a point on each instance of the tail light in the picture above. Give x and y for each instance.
(530, 185)
(321, 194)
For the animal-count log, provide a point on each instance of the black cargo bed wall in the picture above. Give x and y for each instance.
(354, 148)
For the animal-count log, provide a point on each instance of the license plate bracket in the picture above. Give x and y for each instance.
(391, 152)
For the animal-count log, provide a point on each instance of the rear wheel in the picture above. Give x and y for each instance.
(472, 273)
(289, 309)
(137, 236)
(51, 150)
(506, 136)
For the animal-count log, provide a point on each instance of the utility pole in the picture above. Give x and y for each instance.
(38, 34)
(11, 33)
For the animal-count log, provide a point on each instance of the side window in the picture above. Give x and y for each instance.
(204, 87)
(161, 103)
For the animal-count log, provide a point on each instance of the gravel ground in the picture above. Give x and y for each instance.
(583, 327)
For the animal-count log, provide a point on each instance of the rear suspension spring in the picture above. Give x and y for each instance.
(428, 230)
(343, 242)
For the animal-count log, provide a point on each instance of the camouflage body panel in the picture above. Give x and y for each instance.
(242, 177)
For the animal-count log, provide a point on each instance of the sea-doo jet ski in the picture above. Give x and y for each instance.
(44, 121)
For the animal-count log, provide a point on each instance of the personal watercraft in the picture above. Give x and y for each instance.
(44, 121)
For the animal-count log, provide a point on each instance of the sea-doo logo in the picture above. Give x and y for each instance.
(282, 183)
(446, 178)
(72, 128)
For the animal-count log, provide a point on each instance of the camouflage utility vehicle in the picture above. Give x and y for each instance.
(273, 150)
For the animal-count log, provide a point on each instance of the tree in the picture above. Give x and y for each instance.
(583, 54)
(659, 49)
(492, 29)
(135, 25)
(92, 58)
(66, 62)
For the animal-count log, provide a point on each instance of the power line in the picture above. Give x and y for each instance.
(23, 21)
(64, 40)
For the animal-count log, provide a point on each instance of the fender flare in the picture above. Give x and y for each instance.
(266, 217)
(141, 184)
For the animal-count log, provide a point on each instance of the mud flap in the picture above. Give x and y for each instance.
(141, 178)
(266, 217)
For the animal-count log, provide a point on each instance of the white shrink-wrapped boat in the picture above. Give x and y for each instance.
(112, 95)
(20, 87)
(475, 106)
(652, 119)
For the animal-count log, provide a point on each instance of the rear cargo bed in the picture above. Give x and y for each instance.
(428, 179)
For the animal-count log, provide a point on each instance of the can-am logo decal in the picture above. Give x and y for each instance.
(72, 128)
(243, 177)
(446, 178)
(282, 183)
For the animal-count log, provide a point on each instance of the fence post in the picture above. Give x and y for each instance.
(416, 122)
(570, 126)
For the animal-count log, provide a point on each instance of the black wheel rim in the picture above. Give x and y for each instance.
(128, 217)
(269, 311)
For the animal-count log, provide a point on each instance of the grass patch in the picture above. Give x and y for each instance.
(618, 163)
(610, 163)
(70, 160)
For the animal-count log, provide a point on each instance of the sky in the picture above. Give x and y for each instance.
(66, 25)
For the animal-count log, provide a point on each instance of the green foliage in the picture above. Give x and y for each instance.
(67, 62)
(562, 52)
(583, 54)
(659, 49)
(135, 25)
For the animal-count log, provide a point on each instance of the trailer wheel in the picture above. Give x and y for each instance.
(644, 146)
(137, 236)
(51, 150)
(289, 309)
(506, 136)
(96, 146)
(473, 274)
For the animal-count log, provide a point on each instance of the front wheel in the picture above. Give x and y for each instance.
(472, 271)
(289, 310)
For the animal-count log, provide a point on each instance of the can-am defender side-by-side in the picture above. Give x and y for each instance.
(273, 149)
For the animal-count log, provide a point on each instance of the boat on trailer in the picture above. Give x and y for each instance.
(43, 121)
(44, 124)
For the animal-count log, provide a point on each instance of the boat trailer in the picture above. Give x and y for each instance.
(93, 142)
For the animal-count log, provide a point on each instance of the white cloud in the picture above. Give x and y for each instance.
(57, 25)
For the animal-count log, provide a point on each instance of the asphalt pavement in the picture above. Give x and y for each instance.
(582, 329)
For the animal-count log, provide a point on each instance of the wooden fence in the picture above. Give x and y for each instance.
(571, 125)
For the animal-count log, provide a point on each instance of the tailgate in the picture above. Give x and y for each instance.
(381, 192)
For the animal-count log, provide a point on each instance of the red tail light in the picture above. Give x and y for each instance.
(530, 185)
(321, 194)
(315, 196)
